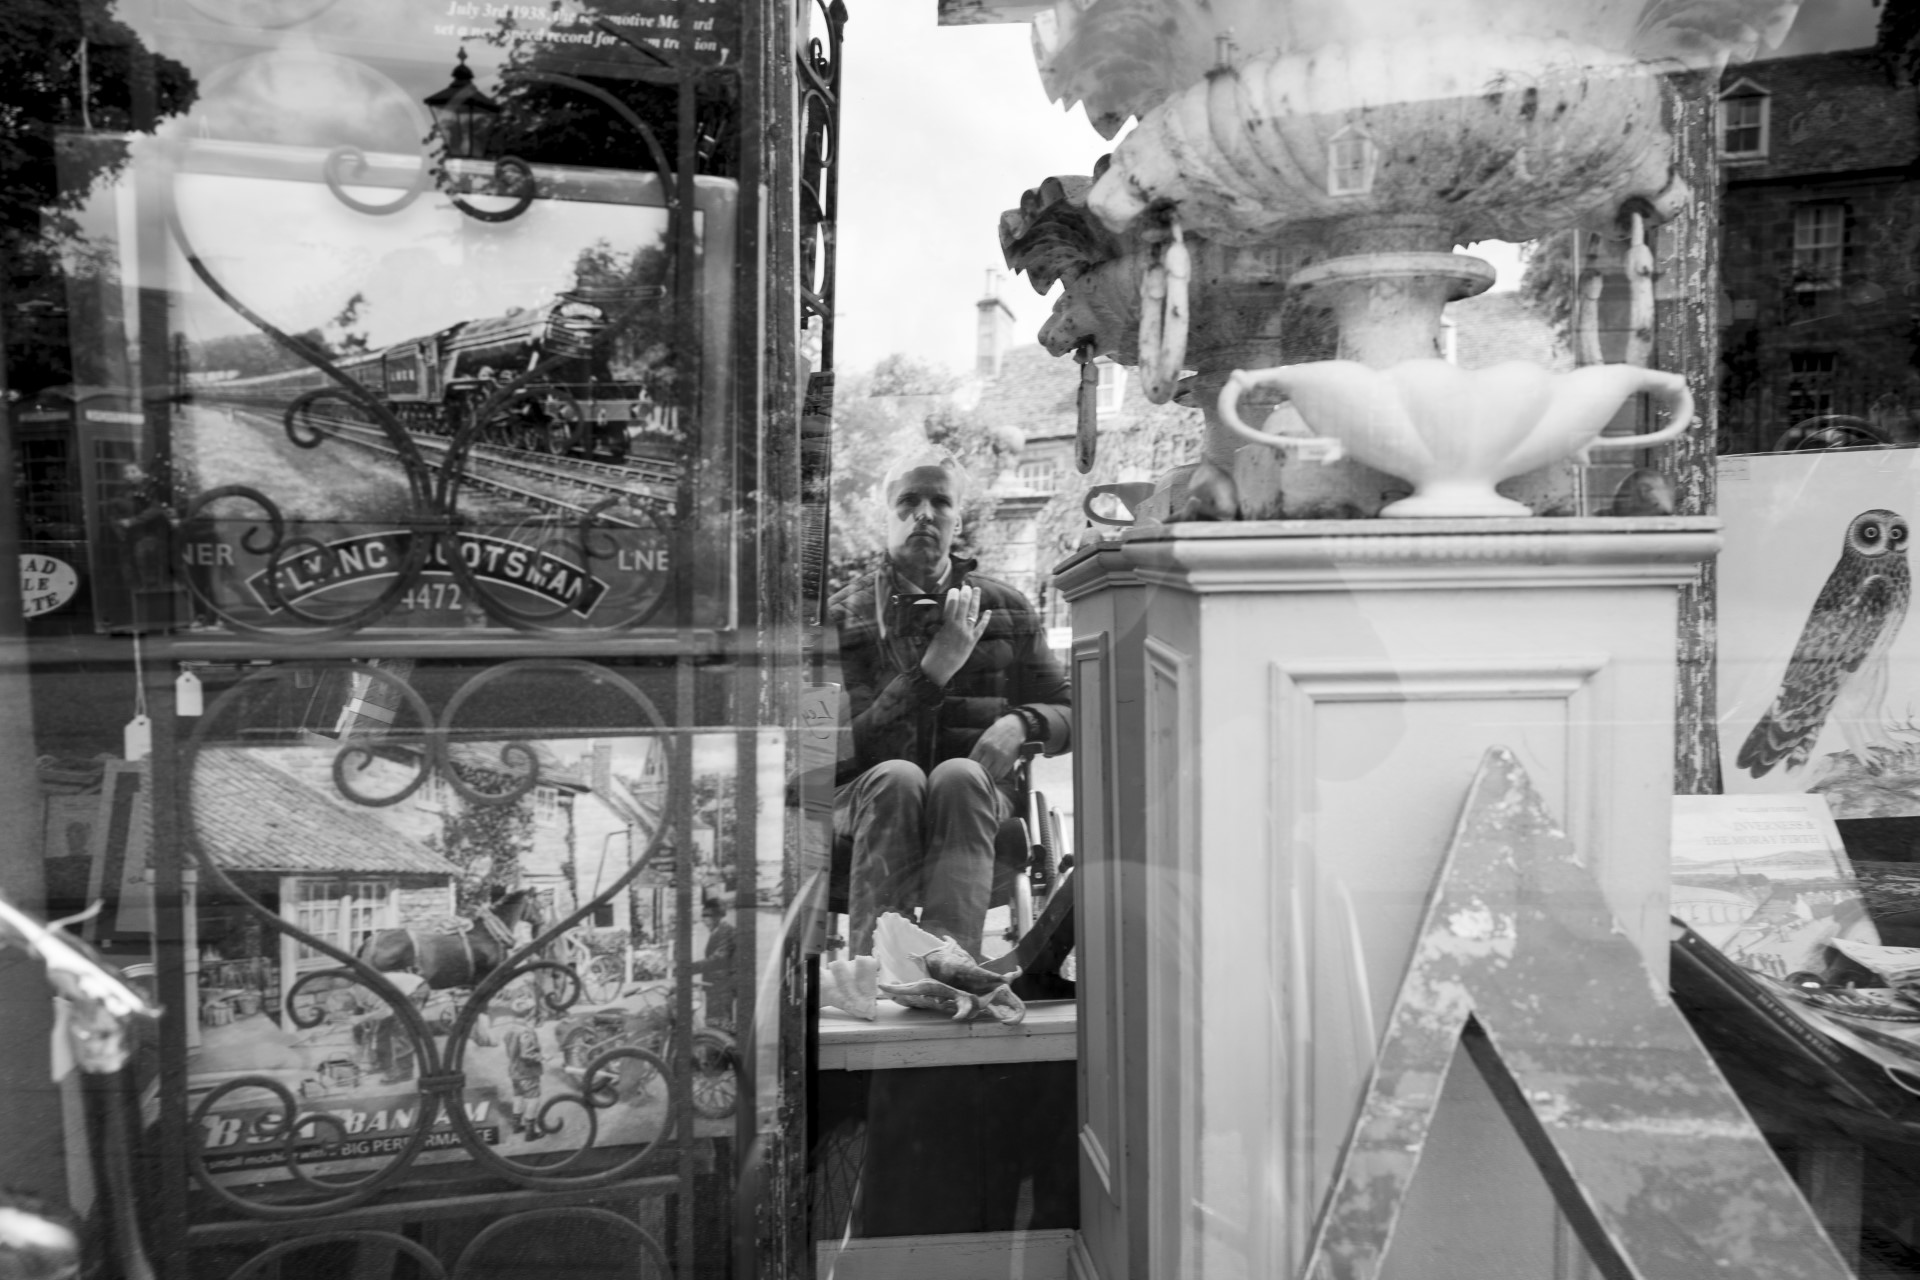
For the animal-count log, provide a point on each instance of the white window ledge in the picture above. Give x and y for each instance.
(902, 1037)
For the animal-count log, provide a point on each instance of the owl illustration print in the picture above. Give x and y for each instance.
(1838, 670)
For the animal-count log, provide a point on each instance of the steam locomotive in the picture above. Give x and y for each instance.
(438, 382)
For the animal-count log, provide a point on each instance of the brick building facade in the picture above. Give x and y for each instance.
(1820, 251)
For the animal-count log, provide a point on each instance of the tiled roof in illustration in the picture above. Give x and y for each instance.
(254, 817)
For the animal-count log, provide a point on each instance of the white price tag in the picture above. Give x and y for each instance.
(138, 738)
(186, 694)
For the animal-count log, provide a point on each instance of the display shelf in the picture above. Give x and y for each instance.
(902, 1037)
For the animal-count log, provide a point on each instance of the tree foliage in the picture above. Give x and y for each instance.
(1549, 282)
(633, 287)
(901, 408)
(75, 78)
(486, 841)
(1898, 37)
(78, 84)
(547, 120)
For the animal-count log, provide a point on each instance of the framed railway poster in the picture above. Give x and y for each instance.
(414, 394)
(555, 437)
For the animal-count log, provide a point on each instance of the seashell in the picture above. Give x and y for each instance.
(930, 994)
(1007, 1008)
(953, 966)
(899, 943)
(1000, 1004)
(852, 986)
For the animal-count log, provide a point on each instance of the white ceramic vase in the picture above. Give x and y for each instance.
(1455, 433)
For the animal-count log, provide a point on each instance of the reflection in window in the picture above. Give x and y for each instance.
(1744, 120)
(1350, 163)
(1810, 389)
(1819, 245)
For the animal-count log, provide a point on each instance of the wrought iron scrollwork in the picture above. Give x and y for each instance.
(297, 1132)
(346, 164)
(819, 91)
(649, 1256)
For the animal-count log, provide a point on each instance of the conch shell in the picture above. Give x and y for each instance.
(953, 966)
(930, 993)
(852, 986)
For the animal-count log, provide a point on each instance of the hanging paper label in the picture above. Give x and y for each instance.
(186, 694)
(61, 1057)
(138, 738)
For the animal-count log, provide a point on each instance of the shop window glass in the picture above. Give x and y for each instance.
(384, 386)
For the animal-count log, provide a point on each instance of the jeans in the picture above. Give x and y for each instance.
(924, 840)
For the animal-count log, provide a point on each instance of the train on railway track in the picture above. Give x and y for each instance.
(437, 383)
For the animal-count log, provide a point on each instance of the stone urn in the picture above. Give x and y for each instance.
(1376, 135)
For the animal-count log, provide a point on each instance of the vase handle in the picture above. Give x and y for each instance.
(1668, 389)
(1312, 448)
(1130, 494)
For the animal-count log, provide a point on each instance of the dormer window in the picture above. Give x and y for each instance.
(1744, 122)
(1351, 157)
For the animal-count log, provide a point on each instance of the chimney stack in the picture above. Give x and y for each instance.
(995, 332)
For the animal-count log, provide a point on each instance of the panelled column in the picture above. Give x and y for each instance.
(1277, 725)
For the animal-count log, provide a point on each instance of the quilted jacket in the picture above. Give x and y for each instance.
(898, 714)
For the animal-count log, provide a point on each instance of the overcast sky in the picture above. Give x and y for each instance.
(943, 128)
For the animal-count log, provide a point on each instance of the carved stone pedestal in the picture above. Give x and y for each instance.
(1277, 724)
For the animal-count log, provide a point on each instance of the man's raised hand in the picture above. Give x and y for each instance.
(962, 623)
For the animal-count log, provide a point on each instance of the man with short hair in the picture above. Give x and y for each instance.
(947, 676)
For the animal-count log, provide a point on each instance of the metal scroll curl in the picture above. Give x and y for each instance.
(305, 1139)
(266, 1262)
(346, 164)
(818, 85)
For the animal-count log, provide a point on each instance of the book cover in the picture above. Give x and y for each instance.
(1752, 1023)
(1766, 880)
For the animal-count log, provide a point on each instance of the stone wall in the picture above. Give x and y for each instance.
(1841, 131)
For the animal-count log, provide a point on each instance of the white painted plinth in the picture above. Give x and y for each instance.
(1277, 723)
